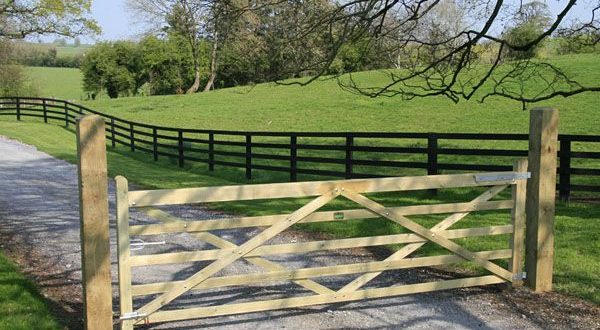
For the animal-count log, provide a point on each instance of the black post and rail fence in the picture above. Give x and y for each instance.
(350, 154)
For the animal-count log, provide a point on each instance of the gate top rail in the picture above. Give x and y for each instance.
(143, 198)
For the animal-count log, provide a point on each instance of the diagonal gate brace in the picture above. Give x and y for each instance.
(225, 244)
(410, 248)
(427, 234)
(238, 253)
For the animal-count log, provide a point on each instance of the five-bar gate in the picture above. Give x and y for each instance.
(156, 297)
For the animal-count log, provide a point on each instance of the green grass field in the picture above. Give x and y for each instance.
(322, 106)
(60, 83)
(22, 307)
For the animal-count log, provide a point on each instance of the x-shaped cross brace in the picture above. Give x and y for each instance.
(427, 234)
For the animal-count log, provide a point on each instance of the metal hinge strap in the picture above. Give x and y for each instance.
(502, 177)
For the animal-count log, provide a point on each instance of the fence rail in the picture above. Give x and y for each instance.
(287, 151)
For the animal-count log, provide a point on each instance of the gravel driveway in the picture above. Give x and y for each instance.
(39, 221)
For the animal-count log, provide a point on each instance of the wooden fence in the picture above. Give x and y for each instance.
(348, 154)
(157, 298)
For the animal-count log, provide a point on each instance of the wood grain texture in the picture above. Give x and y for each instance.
(123, 251)
(93, 208)
(540, 205)
(517, 239)
(184, 314)
(143, 198)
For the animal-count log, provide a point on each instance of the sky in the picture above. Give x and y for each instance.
(114, 20)
(116, 23)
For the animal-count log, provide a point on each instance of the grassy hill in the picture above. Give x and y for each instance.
(323, 106)
(61, 83)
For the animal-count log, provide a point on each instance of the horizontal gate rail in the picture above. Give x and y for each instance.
(340, 215)
(292, 248)
(293, 152)
(143, 198)
(255, 248)
(258, 306)
(304, 273)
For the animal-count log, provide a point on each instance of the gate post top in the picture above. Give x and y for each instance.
(544, 109)
(89, 118)
(121, 179)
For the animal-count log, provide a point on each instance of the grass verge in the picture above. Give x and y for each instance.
(21, 304)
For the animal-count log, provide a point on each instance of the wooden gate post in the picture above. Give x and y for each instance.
(541, 191)
(93, 211)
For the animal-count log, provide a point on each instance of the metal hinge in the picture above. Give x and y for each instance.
(132, 316)
(519, 276)
(502, 177)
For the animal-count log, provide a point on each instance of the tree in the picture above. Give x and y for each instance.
(166, 65)
(23, 18)
(114, 67)
(13, 79)
(220, 23)
(531, 21)
(449, 64)
(184, 18)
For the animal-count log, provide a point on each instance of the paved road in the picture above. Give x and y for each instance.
(39, 210)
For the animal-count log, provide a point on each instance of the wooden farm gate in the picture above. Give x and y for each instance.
(160, 295)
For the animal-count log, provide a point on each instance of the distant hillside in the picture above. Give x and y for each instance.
(62, 83)
(323, 106)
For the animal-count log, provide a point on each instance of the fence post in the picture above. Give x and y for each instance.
(211, 151)
(131, 137)
(93, 210)
(112, 132)
(45, 110)
(18, 108)
(432, 157)
(248, 157)
(155, 144)
(541, 194)
(180, 147)
(293, 158)
(349, 163)
(66, 115)
(564, 184)
(517, 239)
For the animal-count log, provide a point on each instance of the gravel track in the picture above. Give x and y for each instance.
(39, 223)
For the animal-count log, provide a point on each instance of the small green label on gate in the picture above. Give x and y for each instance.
(338, 215)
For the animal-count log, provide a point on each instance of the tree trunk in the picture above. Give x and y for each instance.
(195, 54)
(213, 66)
(196, 84)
